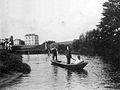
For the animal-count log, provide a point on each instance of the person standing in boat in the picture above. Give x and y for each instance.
(68, 55)
(54, 53)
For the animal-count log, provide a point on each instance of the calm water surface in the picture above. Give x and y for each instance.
(44, 76)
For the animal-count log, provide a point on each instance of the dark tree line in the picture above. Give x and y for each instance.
(109, 31)
(85, 44)
(105, 40)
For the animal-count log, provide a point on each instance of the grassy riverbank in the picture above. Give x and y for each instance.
(11, 66)
(10, 62)
(8, 78)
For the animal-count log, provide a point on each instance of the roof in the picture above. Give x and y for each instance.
(31, 35)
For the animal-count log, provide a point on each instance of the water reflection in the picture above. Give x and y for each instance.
(97, 75)
(111, 76)
(82, 73)
(55, 70)
(14, 82)
(69, 75)
(28, 57)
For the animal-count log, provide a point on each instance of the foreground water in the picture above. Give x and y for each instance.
(44, 76)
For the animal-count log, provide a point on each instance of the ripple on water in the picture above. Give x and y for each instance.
(97, 75)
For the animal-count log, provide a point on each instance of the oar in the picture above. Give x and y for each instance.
(74, 59)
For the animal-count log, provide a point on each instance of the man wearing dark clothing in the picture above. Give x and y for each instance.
(54, 52)
(68, 55)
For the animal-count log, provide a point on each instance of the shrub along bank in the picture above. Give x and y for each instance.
(10, 62)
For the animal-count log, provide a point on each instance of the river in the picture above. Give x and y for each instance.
(97, 75)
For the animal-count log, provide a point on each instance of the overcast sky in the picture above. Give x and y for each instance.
(58, 20)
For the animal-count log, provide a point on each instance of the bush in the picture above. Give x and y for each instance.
(13, 62)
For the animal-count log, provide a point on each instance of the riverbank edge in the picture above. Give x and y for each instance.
(11, 66)
(9, 78)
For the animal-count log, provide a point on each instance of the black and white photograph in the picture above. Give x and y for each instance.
(59, 44)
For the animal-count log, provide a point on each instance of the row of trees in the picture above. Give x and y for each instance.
(105, 40)
(85, 44)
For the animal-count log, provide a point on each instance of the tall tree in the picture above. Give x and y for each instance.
(109, 29)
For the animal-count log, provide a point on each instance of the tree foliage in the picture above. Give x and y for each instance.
(105, 40)
(109, 30)
(85, 43)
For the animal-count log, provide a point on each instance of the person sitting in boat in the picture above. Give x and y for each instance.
(54, 53)
(78, 60)
(68, 55)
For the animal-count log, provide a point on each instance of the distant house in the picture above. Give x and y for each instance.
(2, 40)
(19, 42)
(31, 39)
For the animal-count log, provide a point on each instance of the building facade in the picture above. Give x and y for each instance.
(31, 39)
(19, 42)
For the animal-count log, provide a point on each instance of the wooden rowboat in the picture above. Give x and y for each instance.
(77, 67)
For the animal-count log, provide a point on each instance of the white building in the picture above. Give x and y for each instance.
(31, 39)
(19, 42)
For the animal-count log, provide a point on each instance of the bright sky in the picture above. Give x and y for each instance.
(58, 20)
